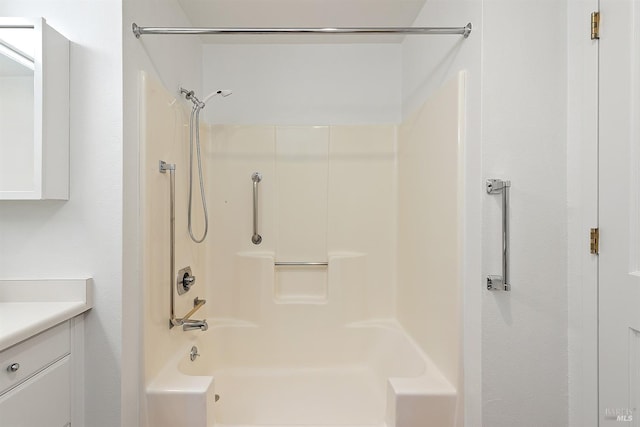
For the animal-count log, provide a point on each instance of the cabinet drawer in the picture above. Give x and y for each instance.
(33, 355)
(42, 400)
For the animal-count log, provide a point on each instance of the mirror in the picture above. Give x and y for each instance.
(16, 108)
(34, 102)
(17, 44)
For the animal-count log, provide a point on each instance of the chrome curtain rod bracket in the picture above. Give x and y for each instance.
(463, 31)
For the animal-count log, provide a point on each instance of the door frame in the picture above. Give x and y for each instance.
(582, 197)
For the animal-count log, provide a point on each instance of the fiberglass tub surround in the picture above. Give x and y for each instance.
(369, 336)
(363, 374)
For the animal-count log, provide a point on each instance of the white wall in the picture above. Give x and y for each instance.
(303, 84)
(174, 61)
(83, 236)
(517, 104)
(524, 139)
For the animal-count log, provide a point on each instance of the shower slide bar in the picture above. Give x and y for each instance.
(494, 282)
(463, 31)
(256, 177)
(186, 322)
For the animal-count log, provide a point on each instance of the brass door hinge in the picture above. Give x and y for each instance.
(594, 241)
(595, 25)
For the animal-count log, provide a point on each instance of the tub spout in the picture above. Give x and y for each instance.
(191, 325)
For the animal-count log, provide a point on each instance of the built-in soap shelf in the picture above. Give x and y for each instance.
(286, 281)
(301, 282)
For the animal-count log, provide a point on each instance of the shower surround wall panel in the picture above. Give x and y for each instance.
(327, 195)
(362, 213)
(429, 212)
(234, 277)
(320, 345)
(301, 213)
(165, 137)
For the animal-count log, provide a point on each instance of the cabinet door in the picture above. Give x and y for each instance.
(43, 400)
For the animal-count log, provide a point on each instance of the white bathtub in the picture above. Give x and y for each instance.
(369, 374)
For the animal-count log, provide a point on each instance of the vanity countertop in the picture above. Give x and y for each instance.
(28, 307)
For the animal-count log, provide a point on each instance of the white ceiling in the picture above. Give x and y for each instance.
(301, 13)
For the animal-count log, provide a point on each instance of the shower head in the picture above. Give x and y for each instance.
(223, 92)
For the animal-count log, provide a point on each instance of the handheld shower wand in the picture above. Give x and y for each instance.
(194, 128)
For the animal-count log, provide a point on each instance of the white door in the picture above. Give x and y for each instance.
(619, 214)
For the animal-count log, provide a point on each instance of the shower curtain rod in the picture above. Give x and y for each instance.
(464, 31)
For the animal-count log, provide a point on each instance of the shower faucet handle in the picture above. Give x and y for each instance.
(185, 280)
(188, 281)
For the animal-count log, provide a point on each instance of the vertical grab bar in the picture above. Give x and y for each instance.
(256, 177)
(494, 282)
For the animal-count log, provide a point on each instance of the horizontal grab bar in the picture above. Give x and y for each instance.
(300, 264)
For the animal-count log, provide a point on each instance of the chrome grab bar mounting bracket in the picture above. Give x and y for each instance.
(495, 282)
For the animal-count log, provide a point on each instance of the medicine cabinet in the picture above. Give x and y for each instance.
(34, 111)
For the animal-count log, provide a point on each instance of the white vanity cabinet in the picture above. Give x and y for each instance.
(42, 352)
(36, 380)
(34, 111)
